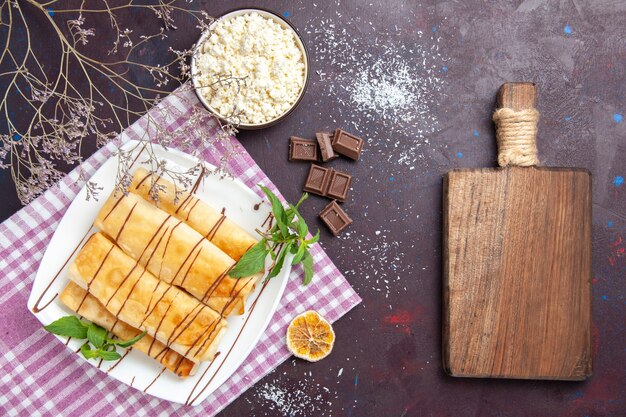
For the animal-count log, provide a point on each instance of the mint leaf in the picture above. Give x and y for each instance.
(301, 227)
(291, 214)
(87, 352)
(304, 197)
(277, 236)
(278, 210)
(251, 262)
(299, 254)
(314, 238)
(288, 234)
(307, 264)
(132, 341)
(280, 261)
(292, 210)
(68, 326)
(105, 348)
(96, 335)
(108, 356)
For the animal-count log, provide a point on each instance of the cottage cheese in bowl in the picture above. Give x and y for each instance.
(251, 68)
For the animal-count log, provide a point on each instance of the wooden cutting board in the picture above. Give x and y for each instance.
(517, 266)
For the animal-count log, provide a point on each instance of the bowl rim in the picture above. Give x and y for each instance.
(249, 126)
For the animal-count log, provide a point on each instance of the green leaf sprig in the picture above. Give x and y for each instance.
(103, 346)
(288, 235)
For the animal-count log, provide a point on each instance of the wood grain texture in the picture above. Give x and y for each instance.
(517, 96)
(517, 269)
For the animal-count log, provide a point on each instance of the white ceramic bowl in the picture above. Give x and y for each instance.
(283, 23)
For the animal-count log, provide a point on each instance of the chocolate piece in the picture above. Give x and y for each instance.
(318, 180)
(335, 218)
(302, 149)
(327, 182)
(339, 185)
(347, 144)
(326, 147)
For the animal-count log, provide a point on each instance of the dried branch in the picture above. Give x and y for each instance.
(60, 114)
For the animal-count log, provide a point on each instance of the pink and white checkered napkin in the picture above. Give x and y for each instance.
(40, 377)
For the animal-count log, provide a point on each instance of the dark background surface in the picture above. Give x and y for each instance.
(418, 82)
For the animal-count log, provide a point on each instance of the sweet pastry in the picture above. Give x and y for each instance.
(138, 298)
(206, 220)
(174, 252)
(85, 304)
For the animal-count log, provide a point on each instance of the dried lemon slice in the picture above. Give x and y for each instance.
(310, 336)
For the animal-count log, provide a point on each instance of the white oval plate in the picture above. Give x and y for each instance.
(137, 369)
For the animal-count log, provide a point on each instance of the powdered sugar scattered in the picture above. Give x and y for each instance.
(386, 86)
(386, 264)
(301, 398)
(378, 89)
(383, 85)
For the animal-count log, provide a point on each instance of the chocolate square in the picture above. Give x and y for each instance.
(326, 147)
(339, 185)
(347, 144)
(335, 218)
(302, 149)
(318, 180)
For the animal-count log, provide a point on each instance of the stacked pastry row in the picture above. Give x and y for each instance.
(162, 270)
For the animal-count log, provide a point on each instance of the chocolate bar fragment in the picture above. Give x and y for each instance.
(347, 144)
(335, 218)
(302, 149)
(325, 140)
(328, 183)
(339, 185)
(318, 180)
